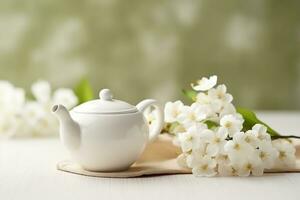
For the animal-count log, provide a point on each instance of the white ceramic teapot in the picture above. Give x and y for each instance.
(107, 134)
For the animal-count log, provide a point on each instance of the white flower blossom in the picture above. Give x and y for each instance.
(205, 84)
(203, 98)
(220, 94)
(205, 166)
(212, 105)
(251, 139)
(260, 131)
(8, 125)
(41, 90)
(172, 110)
(233, 123)
(286, 153)
(251, 165)
(226, 169)
(216, 141)
(193, 158)
(191, 140)
(11, 98)
(11, 102)
(33, 112)
(46, 126)
(192, 115)
(267, 153)
(238, 149)
(66, 97)
(181, 160)
(227, 109)
(151, 117)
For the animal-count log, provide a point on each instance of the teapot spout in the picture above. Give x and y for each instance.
(69, 129)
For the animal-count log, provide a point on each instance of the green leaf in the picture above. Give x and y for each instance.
(84, 91)
(191, 94)
(211, 124)
(251, 119)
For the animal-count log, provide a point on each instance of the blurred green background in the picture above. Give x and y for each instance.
(153, 48)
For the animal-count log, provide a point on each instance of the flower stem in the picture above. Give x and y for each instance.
(285, 136)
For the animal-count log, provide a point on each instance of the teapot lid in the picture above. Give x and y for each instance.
(105, 105)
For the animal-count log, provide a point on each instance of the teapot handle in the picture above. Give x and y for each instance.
(142, 106)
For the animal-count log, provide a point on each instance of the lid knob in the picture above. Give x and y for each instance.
(106, 95)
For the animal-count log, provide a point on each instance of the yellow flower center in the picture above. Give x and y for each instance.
(190, 137)
(204, 167)
(225, 157)
(228, 124)
(262, 155)
(260, 136)
(249, 166)
(237, 146)
(282, 154)
(220, 95)
(233, 171)
(248, 139)
(217, 140)
(192, 116)
(175, 113)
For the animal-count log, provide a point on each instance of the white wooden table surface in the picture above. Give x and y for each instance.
(28, 171)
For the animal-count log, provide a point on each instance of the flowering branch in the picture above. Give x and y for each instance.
(218, 139)
(250, 118)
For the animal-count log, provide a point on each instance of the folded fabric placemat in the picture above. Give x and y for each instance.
(159, 158)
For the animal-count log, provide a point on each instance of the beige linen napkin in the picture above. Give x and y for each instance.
(159, 158)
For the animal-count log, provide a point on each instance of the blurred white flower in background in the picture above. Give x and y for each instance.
(65, 96)
(41, 90)
(12, 100)
(20, 117)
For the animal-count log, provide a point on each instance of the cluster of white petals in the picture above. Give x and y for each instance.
(212, 141)
(21, 117)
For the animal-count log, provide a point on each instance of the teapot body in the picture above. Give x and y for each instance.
(106, 134)
(110, 142)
